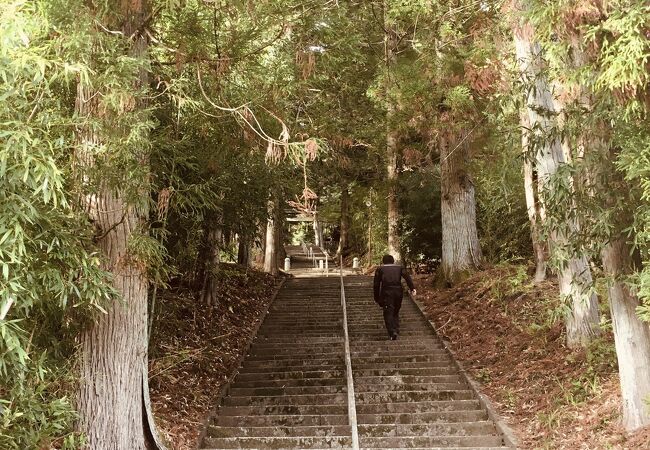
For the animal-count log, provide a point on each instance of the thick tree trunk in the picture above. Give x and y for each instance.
(461, 251)
(532, 204)
(392, 152)
(345, 222)
(270, 247)
(214, 241)
(113, 350)
(393, 203)
(576, 283)
(631, 335)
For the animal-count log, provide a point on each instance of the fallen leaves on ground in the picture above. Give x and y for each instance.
(510, 336)
(196, 348)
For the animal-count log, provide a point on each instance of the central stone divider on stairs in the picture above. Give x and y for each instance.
(291, 391)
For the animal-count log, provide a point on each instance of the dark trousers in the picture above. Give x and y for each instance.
(392, 302)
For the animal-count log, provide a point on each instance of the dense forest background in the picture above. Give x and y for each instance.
(145, 144)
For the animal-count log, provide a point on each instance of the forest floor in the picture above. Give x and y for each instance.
(196, 348)
(509, 335)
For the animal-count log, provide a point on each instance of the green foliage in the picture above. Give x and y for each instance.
(52, 282)
(502, 218)
(421, 229)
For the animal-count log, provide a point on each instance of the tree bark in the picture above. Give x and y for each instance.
(532, 204)
(280, 253)
(392, 152)
(631, 336)
(318, 231)
(270, 247)
(214, 241)
(244, 250)
(461, 251)
(393, 203)
(345, 222)
(576, 283)
(113, 350)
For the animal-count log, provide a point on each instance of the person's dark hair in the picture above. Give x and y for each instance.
(388, 259)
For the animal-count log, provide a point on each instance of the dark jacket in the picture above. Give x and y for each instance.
(388, 277)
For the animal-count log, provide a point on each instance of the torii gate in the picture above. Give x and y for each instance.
(300, 217)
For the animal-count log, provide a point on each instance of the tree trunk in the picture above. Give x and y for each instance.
(576, 283)
(244, 250)
(214, 241)
(532, 203)
(393, 204)
(318, 231)
(345, 222)
(280, 253)
(392, 151)
(461, 251)
(631, 336)
(270, 247)
(113, 350)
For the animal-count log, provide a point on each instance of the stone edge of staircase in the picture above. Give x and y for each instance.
(509, 436)
(225, 388)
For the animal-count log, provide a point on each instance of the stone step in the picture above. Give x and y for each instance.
(288, 352)
(397, 359)
(296, 364)
(264, 356)
(283, 410)
(263, 352)
(300, 327)
(405, 371)
(403, 365)
(306, 336)
(394, 347)
(442, 448)
(382, 334)
(282, 420)
(294, 369)
(289, 390)
(397, 354)
(400, 344)
(419, 407)
(474, 442)
(269, 400)
(412, 396)
(422, 387)
(273, 443)
(407, 379)
(291, 383)
(307, 374)
(279, 431)
(297, 315)
(300, 340)
(411, 417)
(483, 428)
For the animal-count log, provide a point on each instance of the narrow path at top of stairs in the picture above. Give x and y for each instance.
(291, 391)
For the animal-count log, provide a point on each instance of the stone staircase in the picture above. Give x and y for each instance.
(291, 391)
